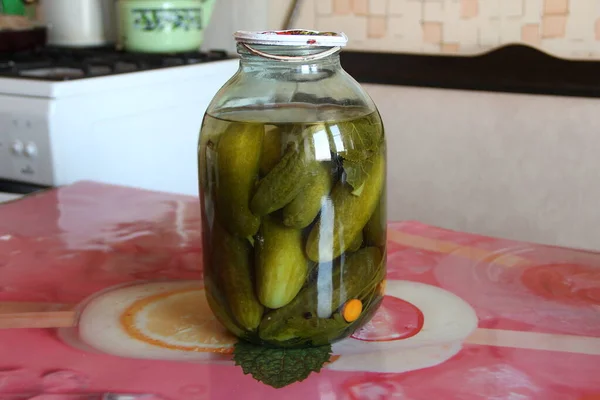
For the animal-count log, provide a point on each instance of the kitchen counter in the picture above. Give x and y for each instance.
(500, 318)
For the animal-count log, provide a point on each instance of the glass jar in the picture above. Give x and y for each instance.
(292, 171)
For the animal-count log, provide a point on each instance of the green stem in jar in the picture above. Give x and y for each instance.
(349, 213)
(238, 156)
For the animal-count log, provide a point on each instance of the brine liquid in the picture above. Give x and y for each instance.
(294, 222)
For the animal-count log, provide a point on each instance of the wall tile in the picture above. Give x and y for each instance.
(376, 26)
(556, 6)
(378, 7)
(387, 44)
(354, 27)
(433, 11)
(452, 31)
(430, 48)
(510, 31)
(307, 15)
(451, 11)
(450, 48)
(413, 10)
(580, 23)
(397, 7)
(469, 35)
(469, 8)
(554, 26)
(533, 11)
(566, 28)
(432, 32)
(490, 8)
(360, 7)
(530, 34)
(396, 26)
(342, 7)
(413, 28)
(578, 48)
(489, 34)
(324, 7)
(512, 8)
(554, 45)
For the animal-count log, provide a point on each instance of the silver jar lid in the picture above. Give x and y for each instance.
(292, 37)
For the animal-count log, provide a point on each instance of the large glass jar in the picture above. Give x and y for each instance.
(292, 167)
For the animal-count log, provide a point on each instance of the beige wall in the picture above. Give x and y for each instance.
(566, 28)
(523, 167)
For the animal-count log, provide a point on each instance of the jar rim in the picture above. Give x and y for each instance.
(292, 37)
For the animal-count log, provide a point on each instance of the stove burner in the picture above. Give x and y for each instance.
(53, 73)
(61, 64)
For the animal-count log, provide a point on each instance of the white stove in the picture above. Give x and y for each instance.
(105, 116)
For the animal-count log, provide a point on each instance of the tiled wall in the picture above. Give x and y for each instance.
(566, 28)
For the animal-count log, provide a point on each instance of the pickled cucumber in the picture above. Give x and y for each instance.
(207, 178)
(311, 312)
(207, 146)
(306, 205)
(289, 209)
(232, 267)
(291, 174)
(220, 311)
(281, 266)
(271, 149)
(238, 156)
(350, 213)
(356, 243)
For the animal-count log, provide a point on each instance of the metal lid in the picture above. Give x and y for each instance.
(293, 37)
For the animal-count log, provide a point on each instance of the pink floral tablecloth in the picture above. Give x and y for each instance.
(538, 307)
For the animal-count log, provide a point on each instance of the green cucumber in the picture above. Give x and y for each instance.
(346, 214)
(238, 157)
(281, 266)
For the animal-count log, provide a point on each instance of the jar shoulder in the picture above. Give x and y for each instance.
(272, 90)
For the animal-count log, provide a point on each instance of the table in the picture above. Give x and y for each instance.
(537, 307)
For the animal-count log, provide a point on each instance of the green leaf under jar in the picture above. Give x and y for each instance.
(280, 367)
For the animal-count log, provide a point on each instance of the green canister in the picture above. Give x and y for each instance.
(12, 7)
(163, 26)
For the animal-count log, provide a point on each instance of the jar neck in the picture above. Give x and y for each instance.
(250, 61)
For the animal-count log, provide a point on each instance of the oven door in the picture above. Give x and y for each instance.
(10, 190)
(23, 119)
